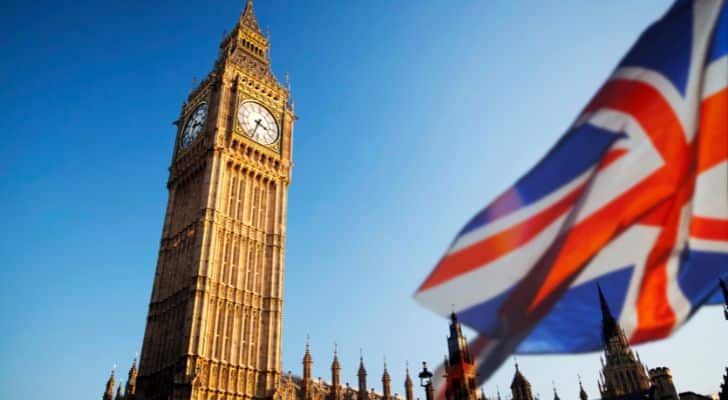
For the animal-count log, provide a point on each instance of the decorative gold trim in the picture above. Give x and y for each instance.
(239, 130)
(187, 117)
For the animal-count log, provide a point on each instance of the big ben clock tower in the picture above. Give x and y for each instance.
(214, 324)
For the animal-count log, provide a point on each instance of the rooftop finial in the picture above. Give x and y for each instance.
(247, 18)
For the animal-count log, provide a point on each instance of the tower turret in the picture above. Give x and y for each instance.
(663, 384)
(582, 392)
(556, 394)
(109, 392)
(408, 388)
(386, 384)
(306, 385)
(119, 395)
(520, 386)
(335, 377)
(459, 366)
(130, 390)
(362, 374)
(622, 373)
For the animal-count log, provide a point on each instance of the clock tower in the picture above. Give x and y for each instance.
(214, 323)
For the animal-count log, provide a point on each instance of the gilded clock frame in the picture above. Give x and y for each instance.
(188, 115)
(270, 106)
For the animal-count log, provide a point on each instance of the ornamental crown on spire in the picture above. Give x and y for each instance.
(247, 17)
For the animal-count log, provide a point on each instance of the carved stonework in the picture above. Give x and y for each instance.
(214, 323)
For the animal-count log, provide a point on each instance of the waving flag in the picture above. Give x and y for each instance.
(633, 197)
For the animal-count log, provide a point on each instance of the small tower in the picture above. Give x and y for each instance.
(622, 373)
(556, 394)
(661, 379)
(459, 366)
(408, 390)
(109, 392)
(521, 387)
(307, 383)
(582, 392)
(362, 374)
(482, 394)
(386, 384)
(119, 396)
(335, 393)
(130, 390)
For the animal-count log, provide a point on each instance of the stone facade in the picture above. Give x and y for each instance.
(214, 324)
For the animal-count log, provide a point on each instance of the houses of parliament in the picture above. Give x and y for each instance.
(213, 328)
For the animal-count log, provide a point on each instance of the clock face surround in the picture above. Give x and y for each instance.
(257, 122)
(194, 125)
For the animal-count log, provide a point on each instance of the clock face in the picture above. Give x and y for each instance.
(257, 122)
(194, 125)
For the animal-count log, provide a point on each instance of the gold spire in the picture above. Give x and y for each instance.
(247, 18)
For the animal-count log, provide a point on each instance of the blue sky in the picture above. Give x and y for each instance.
(413, 115)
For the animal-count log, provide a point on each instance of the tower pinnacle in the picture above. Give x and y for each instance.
(408, 391)
(247, 18)
(109, 392)
(362, 374)
(582, 392)
(609, 324)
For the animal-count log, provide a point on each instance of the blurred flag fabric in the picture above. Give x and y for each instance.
(633, 197)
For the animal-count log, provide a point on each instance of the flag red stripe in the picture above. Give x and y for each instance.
(499, 244)
(713, 138)
(709, 228)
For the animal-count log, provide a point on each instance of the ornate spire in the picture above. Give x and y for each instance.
(482, 394)
(622, 373)
(247, 18)
(109, 392)
(609, 324)
(119, 396)
(335, 376)
(335, 363)
(307, 361)
(130, 390)
(362, 374)
(582, 392)
(520, 386)
(556, 394)
(408, 391)
(386, 383)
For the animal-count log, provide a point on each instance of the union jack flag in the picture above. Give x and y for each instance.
(634, 197)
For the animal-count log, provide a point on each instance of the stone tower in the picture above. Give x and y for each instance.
(335, 393)
(307, 380)
(622, 372)
(582, 392)
(386, 384)
(459, 366)
(109, 391)
(408, 387)
(663, 384)
(130, 390)
(214, 321)
(362, 375)
(520, 386)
